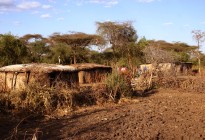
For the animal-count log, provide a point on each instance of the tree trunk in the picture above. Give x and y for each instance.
(71, 60)
(199, 65)
(199, 59)
(74, 59)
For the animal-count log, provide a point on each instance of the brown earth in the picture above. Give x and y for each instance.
(166, 114)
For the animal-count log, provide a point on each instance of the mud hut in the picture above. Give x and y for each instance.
(184, 67)
(180, 68)
(20, 75)
(90, 73)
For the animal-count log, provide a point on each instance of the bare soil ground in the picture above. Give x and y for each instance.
(166, 114)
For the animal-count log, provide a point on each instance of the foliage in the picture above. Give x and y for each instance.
(181, 51)
(117, 34)
(182, 57)
(118, 86)
(77, 47)
(57, 50)
(135, 54)
(37, 46)
(77, 41)
(96, 57)
(12, 50)
(142, 43)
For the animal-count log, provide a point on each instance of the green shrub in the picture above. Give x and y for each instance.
(118, 85)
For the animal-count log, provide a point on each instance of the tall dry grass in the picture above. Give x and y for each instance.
(36, 99)
(187, 83)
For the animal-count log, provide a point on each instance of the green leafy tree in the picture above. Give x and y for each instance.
(96, 57)
(140, 46)
(183, 51)
(77, 42)
(142, 43)
(12, 50)
(119, 35)
(59, 53)
(107, 56)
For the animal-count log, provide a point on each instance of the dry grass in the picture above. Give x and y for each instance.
(193, 84)
(36, 99)
(188, 83)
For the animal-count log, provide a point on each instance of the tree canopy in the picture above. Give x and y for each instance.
(119, 40)
(12, 50)
(117, 34)
(77, 41)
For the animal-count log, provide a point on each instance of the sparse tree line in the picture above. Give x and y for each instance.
(121, 46)
(118, 40)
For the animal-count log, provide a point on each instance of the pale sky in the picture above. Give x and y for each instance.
(169, 20)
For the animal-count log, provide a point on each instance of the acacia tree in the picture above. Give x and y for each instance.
(77, 41)
(119, 35)
(37, 45)
(199, 37)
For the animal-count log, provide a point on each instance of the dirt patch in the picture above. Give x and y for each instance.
(167, 114)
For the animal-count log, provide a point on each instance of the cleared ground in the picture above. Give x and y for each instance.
(164, 114)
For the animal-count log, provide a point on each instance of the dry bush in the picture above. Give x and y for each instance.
(43, 100)
(37, 99)
(193, 84)
(186, 83)
(100, 94)
(91, 95)
(142, 83)
(5, 103)
(84, 97)
(166, 80)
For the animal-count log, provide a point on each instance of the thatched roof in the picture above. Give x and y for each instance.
(87, 66)
(36, 67)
